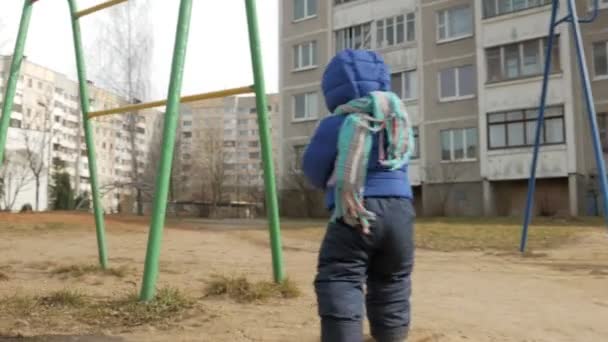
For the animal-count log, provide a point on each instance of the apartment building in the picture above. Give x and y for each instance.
(470, 74)
(47, 113)
(219, 146)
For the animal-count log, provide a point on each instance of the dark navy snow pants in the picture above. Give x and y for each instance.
(356, 269)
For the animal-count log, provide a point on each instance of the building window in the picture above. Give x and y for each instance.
(600, 59)
(395, 30)
(405, 84)
(354, 37)
(517, 128)
(187, 135)
(454, 23)
(493, 8)
(15, 123)
(459, 144)
(187, 123)
(305, 55)
(304, 9)
(340, 2)
(253, 144)
(254, 155)
(457, 83)
(29, 82)
(416, 151)
(305, 106)
(521, 59)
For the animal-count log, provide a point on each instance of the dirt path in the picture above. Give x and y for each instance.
(457, 296)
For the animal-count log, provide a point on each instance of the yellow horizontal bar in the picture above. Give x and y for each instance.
(97, 8)
(185, 99)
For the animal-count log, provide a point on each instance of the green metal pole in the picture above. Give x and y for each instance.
(164, 171)
(266, 143)
(11, 85)
(88, 135)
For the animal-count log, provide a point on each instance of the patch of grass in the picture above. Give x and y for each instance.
(170, 305)
(63, 298)
(129, 311)
(468, 234)
(457, 234)
(18, 306)
(244, 291)
(77, 271)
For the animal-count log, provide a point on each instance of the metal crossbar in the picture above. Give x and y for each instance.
(98, 8)
(185, 99)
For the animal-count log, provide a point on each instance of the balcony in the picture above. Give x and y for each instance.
(512, 164)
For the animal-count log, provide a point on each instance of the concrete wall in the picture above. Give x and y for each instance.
(551, 198)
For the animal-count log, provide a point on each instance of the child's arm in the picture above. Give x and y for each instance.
(320, 155)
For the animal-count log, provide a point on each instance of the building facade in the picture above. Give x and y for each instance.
(47, 120)
(470, 74)
(219, 150)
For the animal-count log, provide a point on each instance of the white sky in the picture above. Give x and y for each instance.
(218, 51)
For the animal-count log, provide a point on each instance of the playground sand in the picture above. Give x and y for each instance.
(560, 295)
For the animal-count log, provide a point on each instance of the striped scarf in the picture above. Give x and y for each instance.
(379, 113)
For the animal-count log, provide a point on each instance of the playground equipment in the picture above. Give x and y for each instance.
(573, 19)
(150, 275)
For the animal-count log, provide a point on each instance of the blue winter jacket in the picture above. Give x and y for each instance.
(351, 74)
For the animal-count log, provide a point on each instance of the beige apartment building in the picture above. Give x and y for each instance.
(219, 146)
(47, 113)
(470, 74)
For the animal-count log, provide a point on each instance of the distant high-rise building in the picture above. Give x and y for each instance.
(47, 113)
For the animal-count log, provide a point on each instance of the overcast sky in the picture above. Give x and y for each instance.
(218, 50)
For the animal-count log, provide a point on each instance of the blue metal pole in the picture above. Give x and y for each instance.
(591, 114)
(539, 124)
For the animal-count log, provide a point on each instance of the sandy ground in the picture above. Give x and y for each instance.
(464, 296)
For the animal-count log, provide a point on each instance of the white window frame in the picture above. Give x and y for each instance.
(312, 48)
(415, 82)
(307, 110)
(445, 12)
(496, 6)
(382, 45)
(348, 39)
(597, 77)
(457, 97)
(520, 47)
(306, 16)
(462, 131)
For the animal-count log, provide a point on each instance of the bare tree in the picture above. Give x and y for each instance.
(212, 164)
(447, 176)
(295, 179)
(36, 144)
(125, 45)
(15, 176)
(34, 154)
